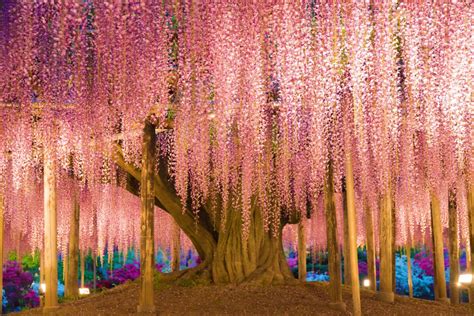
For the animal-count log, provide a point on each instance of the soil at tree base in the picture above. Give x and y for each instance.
(191, 299)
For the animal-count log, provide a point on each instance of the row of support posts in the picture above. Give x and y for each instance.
(386, 235)
(49, 256)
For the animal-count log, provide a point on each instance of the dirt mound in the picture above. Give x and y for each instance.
(191, 299)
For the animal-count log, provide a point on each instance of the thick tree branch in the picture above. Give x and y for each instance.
(166, 198)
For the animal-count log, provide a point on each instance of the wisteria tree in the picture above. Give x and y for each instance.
(240, 117)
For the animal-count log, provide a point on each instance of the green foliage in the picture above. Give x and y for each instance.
(31, 262)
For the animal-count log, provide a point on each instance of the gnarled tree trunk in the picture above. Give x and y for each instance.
(227, 257)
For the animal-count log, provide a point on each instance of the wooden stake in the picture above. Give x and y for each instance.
(352, 234)
(453, 249)
(301, 250)
(386, 252)
(72, 289)
(146, 304)
(176, 247)
(371, 263)
(438, 251)
(50, 237)
(334, 259)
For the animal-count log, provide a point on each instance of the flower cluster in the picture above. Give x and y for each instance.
(17, 288)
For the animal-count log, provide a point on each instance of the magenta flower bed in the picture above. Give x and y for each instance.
(17, 286)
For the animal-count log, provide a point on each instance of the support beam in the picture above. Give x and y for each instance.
(147, 196)
(470, 211)
(352, 234)
(71, 288)
(176, 247)
(410, 276)
(302, 249)
(50, 236)
(65, 269)
(2, 210)
(346, 251)
(83, 267)
(94, 271)
(438, 251)
(370, 244)
(386, 293)
(453, 249)
(334, 258)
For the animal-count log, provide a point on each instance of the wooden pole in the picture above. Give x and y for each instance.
(2, 209)
(83, 266)
(65, 269)
(334, 259)
(470, 211)
(50, 237)
(386, 234)
(371, 263)
(438, 251)
(94, 270)
(72, 289)
(146, 304)
(346, 251)
(41, 267)
(302, 249)
(394, 247)
(352, 234)
(453, 249)
(176, 247)
(410, 277)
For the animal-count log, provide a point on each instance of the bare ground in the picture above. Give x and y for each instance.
(303, 299)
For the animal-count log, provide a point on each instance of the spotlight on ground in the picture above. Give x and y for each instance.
(366, 283)
(465, 279)
(84, 291)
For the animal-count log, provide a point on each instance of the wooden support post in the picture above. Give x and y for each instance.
(72, 289)
(83, 266)
(302, 249)
(2, 209)
(50, 266)
(470, 211)
(65, 276)
(110, 258)
(352, 234)
(176, 247)
(438, 251)
(147, 195)
(94, 271)
(410, 276)
(346, 251)
(41, 267)
(394, 247)
(334, 258)
(468, 258)
(371, 263)
(386, 252)
(453, 249)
